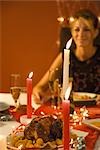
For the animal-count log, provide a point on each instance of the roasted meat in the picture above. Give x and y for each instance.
(46, 127)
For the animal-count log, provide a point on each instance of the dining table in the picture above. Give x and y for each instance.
(6, 127)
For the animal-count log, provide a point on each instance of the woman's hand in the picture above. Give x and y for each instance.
(37, 94)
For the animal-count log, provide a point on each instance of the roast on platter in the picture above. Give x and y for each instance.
(43, 132)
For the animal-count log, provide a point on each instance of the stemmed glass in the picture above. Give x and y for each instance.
(15, 88)
(55, 87)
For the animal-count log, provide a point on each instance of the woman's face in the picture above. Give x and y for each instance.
(83, 32)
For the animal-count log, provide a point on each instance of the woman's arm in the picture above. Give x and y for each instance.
(42, 85)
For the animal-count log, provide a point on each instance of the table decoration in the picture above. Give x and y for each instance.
(66, 118)
(66, 128)
(91, 112)
(78, 117)
(25, 119)
(65, 95)
(66, 66)
(29, 95)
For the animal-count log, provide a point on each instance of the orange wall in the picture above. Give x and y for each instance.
(0, 44)
(29, 35)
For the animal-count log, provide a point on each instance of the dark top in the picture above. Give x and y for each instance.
(86, 74)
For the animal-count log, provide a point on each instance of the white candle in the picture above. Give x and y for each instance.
(66, 67)
(68, 91)
(3, 144)
(65, 70)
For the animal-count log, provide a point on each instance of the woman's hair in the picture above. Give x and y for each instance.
(88, 15)
(65, 33)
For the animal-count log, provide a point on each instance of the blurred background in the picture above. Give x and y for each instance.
(29, 35)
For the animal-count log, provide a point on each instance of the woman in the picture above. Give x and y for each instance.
(84, 58)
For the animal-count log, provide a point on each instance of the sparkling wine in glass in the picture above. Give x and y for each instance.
(15, 88)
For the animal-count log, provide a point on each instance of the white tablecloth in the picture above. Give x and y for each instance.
(7, 98)
(7, 126)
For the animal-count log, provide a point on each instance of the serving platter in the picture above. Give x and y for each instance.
(84, 98)
(93, 123)
(80, 96)
(19, 131)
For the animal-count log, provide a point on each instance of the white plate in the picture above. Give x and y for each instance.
(3, 106)
(92, 123)
(84, 96)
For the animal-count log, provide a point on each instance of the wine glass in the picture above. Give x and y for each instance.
(55, 86)
(15, 88)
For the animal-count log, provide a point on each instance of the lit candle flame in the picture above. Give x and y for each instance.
(30, 75)
(69, 43)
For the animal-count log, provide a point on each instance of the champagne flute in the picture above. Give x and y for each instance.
(54, 86)
(15, 88)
